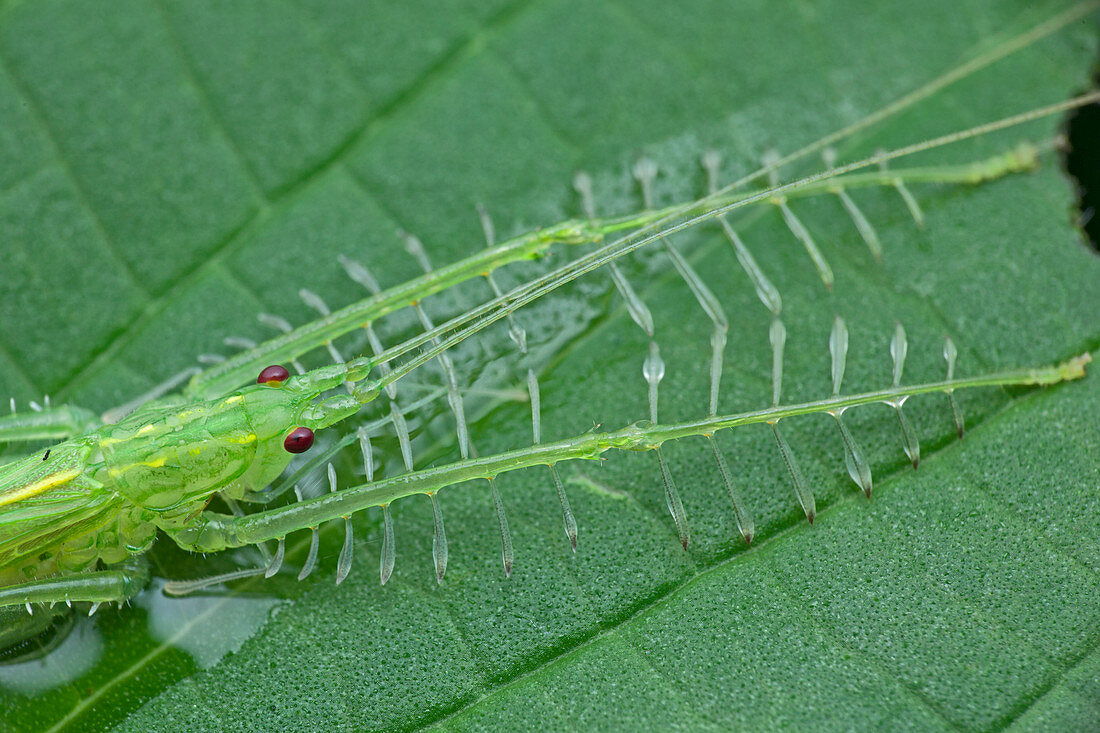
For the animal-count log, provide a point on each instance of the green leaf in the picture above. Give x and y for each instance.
(170, 169)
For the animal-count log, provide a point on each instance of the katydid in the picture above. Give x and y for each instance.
(100, 497)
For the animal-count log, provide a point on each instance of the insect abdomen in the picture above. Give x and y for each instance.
(50, 513)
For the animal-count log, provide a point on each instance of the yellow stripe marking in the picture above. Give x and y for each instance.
(155, 463)
(40, 486)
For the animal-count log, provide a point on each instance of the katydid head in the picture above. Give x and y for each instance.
(290, 408)
(284, 411)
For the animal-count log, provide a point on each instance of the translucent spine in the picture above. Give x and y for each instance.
(951, 355)
(856, 464)
(388, 555)
(439, 540)
(906, 195)
(778, 337)
(536, 430)
(765, 290)
(863, 225)
(899, 347)
(653, 370)
(795, 224)
(508, 555)
(314, 543)
(276, 559)
(389, 551)
(343, 565)
(506, 550)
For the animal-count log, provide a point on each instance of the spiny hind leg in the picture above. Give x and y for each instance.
(113, 585)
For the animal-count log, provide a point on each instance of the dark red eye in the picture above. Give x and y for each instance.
(299, 440)
(273, 373)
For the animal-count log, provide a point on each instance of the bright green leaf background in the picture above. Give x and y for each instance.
(169, 169)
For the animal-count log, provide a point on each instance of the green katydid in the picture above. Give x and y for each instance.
(101, 495)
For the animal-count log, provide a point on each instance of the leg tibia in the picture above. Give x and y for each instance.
(99, 586)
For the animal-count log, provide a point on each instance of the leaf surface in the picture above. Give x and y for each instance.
(169, 169)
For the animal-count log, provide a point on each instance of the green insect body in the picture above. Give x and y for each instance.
(100, 497)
